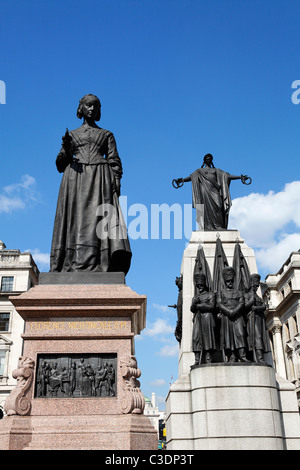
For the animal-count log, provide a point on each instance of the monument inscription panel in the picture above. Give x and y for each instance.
(103, 326)
(76, 375)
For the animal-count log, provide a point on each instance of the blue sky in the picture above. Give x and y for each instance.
(177, 79)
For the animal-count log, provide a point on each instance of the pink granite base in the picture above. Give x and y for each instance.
(79, 319)
(109, 432)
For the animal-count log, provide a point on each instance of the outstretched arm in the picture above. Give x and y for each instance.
(234, 177)
(179, 182)
(243, 178)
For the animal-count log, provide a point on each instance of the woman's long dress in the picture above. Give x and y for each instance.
(88, 206)
(211, 190)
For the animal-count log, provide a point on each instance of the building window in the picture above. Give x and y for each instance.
(285, 333)
(281, 295)
(2, 361)
(4, 321)
(296, 324)
(292, 327)
(7, 283)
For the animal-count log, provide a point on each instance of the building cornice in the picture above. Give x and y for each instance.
(287, 301)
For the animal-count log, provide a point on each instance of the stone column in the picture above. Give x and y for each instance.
(278, 350)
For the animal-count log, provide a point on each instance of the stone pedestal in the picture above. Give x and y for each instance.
(225, 406)
(71, 320)
(231, 407)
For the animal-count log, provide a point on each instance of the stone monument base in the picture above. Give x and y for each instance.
(77, 381)
(93, 432)
(232, 407)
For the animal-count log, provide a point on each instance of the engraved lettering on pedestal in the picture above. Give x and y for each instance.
(76, 376)
(109, 326)
(132, 400)
(17, 403)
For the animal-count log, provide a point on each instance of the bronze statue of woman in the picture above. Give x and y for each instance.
(89, 192)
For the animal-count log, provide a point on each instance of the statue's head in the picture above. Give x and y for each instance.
(208, 160)
(179, 281)
(255, 281)
(88, 99)
(200, 281)
(228, 276)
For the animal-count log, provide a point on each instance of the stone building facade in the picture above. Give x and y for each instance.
(18, 273)
(282, 291)
(151, 411)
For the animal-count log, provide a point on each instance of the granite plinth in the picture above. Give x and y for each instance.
(110, 432)
(229, 407)
(78, 321)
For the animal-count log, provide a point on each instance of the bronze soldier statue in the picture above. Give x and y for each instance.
(231, 303)
(203, 306)
(258, 340)
(178, 306)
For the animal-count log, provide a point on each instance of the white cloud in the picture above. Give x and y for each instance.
(158, 383)
(160, 399)
(10, 204)
(159, 327)
(26, 184)
(170, 350)
(42, 259)
(163, 308)
(18, 195)
(272, 258)
(264, 221)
